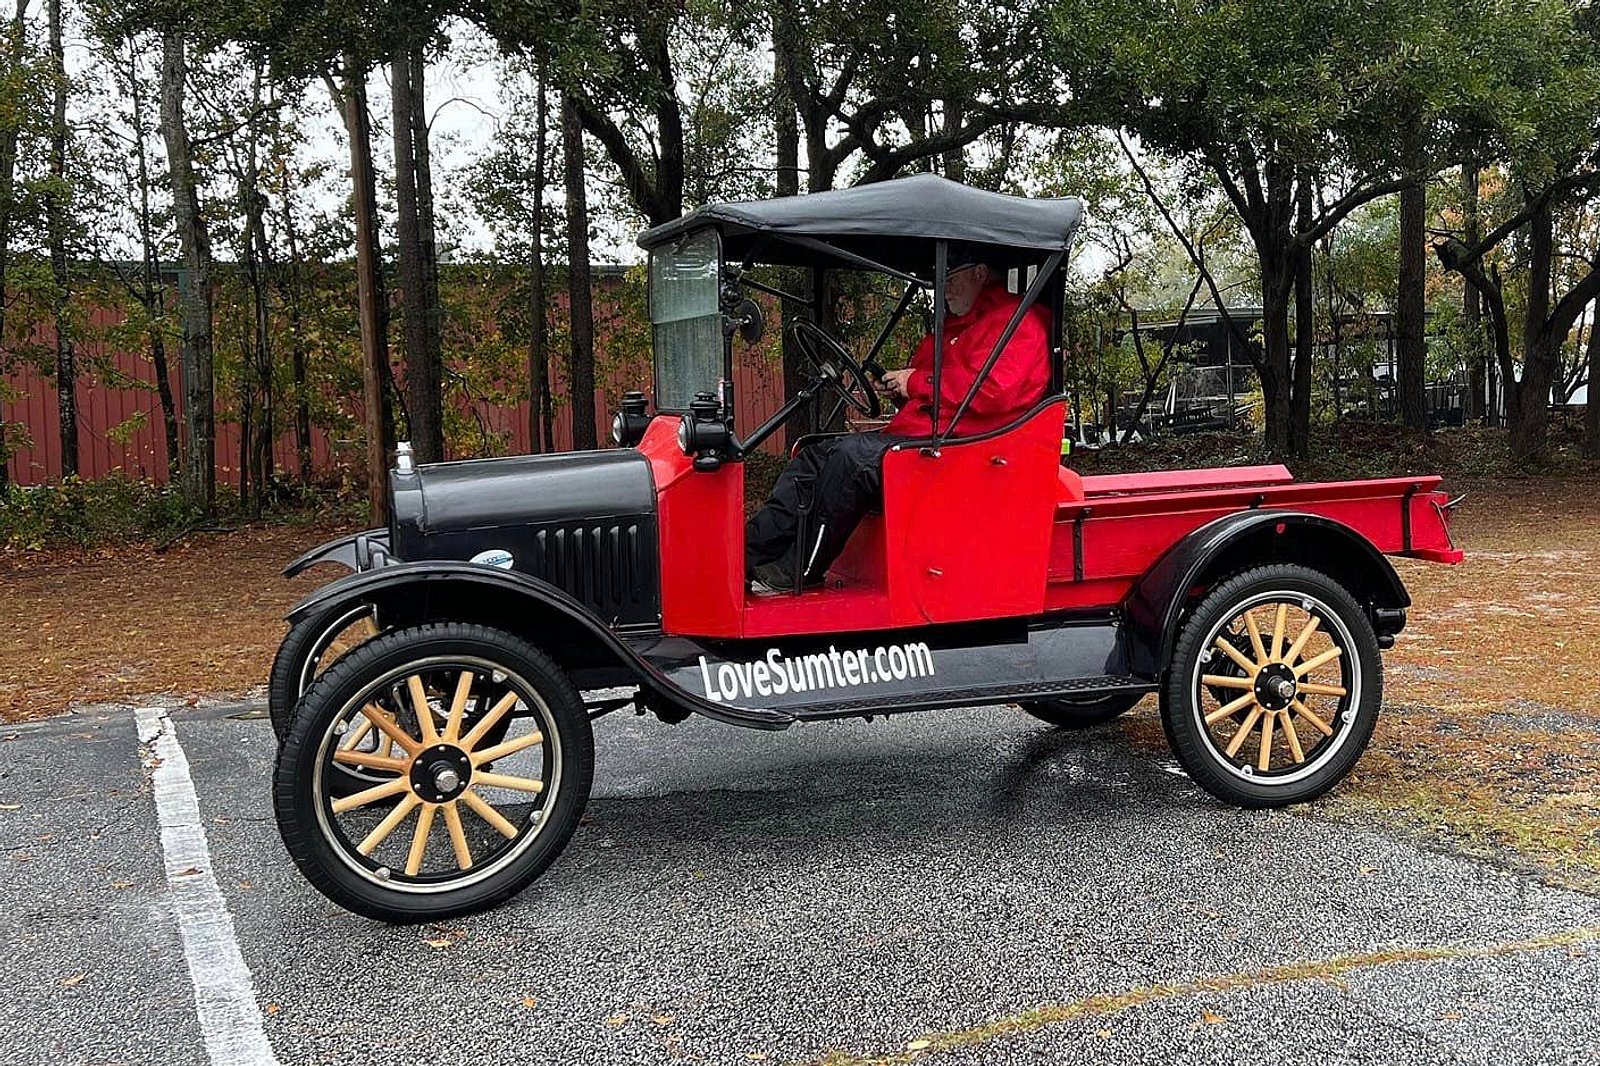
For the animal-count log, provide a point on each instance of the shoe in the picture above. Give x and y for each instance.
(776, 578)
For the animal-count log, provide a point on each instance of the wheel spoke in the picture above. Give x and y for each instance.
(1286, 720)
(1230, 708)
(358, 734)
(1227, 648)
(370, 795)
(1225, 681)
(371, 761)
(1279, 624)
(1299, 644)
(485, 810)
(1254, 630)
(1312, 689)
(1305, 712)
(377, 717)
(1245, 729)
(458, 706)
(510, 747)
(424, 713)
(401, 812)
(419, 839)
(519, 784)
(458, 836)
(1265, 762)
(1311, 664)
(488, 721)
(368, 627)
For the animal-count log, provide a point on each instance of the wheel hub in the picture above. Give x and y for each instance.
(440, 773)
(1276, 686)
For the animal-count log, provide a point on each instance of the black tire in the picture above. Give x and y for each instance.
(317, 836)
(1340, 725)
(1083, 713)
(299, 661)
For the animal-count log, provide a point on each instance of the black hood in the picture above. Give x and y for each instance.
(583, 521)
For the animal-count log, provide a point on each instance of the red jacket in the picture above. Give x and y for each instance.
(1016, 383)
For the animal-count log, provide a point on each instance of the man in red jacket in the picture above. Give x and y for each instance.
(842, 477)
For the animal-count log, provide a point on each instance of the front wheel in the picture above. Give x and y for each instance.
(489, 768)
(1274, 687)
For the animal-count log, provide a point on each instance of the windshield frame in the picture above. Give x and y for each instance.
(661, 349)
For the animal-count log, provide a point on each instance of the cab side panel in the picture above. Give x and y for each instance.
(701, 516)
(969, 526)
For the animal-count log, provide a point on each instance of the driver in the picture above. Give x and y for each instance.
(843, 474)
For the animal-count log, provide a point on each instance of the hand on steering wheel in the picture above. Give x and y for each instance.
(832, 363)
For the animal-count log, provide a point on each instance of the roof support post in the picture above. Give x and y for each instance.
(941, 274)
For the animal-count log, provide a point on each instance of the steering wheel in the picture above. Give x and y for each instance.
(833, 364)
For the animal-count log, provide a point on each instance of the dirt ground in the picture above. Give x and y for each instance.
(1490, 738)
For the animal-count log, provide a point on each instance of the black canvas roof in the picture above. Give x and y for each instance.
(892, 221)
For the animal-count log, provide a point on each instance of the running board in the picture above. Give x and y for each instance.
(1083, 687)
(769, 683)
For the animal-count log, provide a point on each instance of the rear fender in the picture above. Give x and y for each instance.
(1155, 606)
(439, 590)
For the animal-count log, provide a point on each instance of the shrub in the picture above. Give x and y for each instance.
(90, 512)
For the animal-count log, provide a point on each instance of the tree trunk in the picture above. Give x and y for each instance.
(1591, 408)
(1540, 353)
(1305, 333)
(433, 316)
(1477, 406)
(56, 224)
(786, 123)
(373, 306)
(539, 438)
(290, 292)
(1277, 282)
(1412, 351)
(15, 49)
(150, 291)
(580, 368)
(424, 408)
(195, 296)
(256, 264)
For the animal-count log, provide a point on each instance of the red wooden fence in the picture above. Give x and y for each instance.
(110, 440)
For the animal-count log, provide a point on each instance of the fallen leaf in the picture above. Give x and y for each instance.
(661, 1019)
(616, 1020)
(190, 872)
(273, 1008)
(1211, 1017)
(757, 1056)
(73, 981)
(1103, 1034)
(439, 942)
(10, 806)
(122, 884)
(921, 1043)
(530, 1002)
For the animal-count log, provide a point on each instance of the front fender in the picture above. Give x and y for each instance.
(358, 552)
(1157, 601)
(416, 588)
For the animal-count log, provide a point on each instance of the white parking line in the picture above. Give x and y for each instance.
(224, 997)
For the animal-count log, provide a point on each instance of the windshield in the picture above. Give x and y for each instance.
(685, 319)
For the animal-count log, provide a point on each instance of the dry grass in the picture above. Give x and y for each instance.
(203, 618)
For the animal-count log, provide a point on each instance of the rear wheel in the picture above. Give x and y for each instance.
(1274, 687)
(1083, 713)
(310, 647)
(461, 821)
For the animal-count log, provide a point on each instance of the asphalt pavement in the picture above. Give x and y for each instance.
(951, 887)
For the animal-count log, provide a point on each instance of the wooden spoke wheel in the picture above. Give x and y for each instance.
(481, 757)
(1274, 687)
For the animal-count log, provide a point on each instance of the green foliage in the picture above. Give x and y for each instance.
(104, 510)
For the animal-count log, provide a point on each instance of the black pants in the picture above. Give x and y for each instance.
(839, 479)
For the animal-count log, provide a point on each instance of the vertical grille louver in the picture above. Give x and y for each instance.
(610, 567)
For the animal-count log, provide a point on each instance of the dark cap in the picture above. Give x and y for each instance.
(966, 253)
